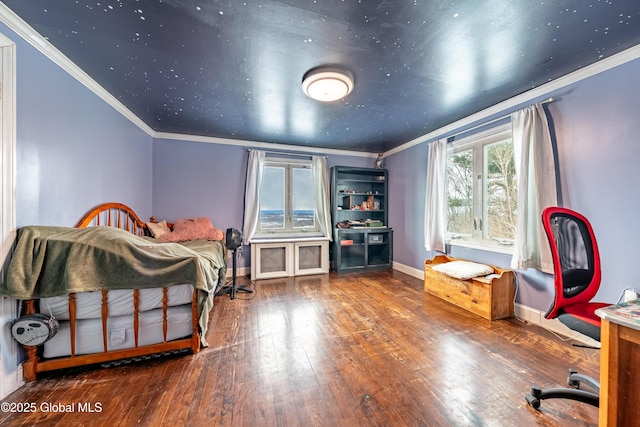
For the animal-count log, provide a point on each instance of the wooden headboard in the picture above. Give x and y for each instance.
(114, 215)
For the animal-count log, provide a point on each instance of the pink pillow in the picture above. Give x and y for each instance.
(193, 229)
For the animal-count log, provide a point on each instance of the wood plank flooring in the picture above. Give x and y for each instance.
(330, 350)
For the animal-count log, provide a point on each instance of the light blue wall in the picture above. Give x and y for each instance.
(73, 151)
(596, 127)
(206, 179)
(199, 179)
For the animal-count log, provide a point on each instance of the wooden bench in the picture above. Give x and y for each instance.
(488, 296)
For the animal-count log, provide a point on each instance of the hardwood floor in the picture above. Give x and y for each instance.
(330, 350)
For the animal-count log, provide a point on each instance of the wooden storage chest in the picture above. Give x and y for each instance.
(488, 296)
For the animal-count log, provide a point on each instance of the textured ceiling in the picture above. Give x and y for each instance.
(233, 69)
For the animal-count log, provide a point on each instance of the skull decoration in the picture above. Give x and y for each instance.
(34, 329)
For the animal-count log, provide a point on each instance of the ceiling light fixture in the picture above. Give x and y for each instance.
(327, 84)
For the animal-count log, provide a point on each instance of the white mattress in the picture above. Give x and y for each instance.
(120, 302)
(120, 332)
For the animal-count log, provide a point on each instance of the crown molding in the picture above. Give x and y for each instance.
(605, 64)
(24, 30)
(264, 145)
(16, 24)
(28, 33)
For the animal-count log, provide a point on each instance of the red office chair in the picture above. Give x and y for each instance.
(576, 264)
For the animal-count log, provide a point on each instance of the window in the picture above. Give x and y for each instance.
(287, 198)
(482, 191)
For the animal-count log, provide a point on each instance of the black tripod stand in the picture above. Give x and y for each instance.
(233, 243)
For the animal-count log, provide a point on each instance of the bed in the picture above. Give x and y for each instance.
(114, 291)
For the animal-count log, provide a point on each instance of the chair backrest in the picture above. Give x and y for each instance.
(576, 260)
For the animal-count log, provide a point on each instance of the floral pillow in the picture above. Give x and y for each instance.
(192, 229)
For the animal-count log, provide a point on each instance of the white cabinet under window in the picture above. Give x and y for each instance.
(272, 259)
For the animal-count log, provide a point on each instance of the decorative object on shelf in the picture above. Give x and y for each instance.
(378, 162)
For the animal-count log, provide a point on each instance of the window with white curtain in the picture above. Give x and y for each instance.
(482, 191)
(287, 201)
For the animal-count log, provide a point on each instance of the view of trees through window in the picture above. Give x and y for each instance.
(460, 193)
(502, 191)
(491, 214)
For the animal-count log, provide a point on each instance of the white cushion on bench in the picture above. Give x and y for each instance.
(463, 270)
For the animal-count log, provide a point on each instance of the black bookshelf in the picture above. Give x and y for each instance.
(362, 238)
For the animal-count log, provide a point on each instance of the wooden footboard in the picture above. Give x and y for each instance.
(35, 364)
(120, 216)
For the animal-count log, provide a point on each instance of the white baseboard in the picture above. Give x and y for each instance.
(554, 326)
(411, 271)
(241, 271)
(522, 312)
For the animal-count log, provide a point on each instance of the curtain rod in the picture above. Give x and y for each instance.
(284, 153)
(546, 101)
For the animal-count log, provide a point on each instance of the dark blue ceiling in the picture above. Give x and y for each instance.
(233, 68)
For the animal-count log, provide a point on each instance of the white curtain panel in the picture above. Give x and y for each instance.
(255, 167)
(321, 184)
(537, 187)
(434, 211)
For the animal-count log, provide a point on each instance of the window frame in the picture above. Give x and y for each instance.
(477, 143)
(289, 231)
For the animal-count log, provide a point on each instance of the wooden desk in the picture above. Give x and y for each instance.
(619, 373)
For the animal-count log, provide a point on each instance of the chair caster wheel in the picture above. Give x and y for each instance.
(533, 401)
(533, 398)
(573, 382)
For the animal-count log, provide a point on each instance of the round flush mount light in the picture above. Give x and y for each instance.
(327, 84)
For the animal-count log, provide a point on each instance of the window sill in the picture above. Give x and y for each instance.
(279, 238)
(484, 246)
